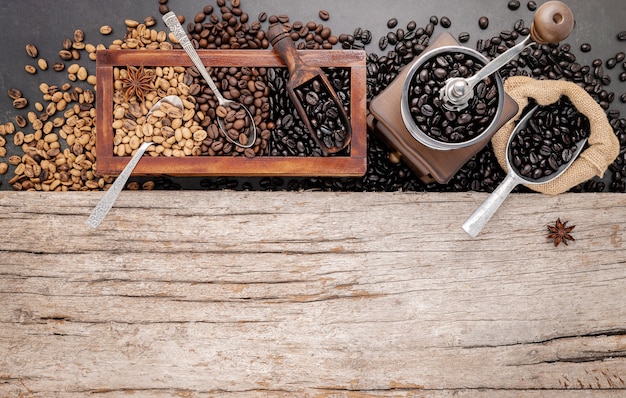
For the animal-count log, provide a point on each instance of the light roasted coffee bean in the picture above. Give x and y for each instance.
(20, 103)
(106, 30)
(31, 50)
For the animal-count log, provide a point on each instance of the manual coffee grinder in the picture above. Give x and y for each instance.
(435, 129)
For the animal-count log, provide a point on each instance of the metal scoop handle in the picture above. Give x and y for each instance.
(106, 203)
(175, 27)
(481, 216)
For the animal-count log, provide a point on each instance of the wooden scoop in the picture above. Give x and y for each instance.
(301, 75)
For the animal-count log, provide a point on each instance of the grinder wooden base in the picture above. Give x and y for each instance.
(428, 164)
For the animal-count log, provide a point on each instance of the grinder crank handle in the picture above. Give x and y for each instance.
(553, 23)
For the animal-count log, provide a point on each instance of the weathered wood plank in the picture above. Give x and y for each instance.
(312, 294)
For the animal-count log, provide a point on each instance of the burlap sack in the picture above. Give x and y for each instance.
(603, 144)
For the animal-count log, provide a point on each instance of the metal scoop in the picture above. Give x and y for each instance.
(475, 223)
(106, 203)
(553, 22)
(172, 23)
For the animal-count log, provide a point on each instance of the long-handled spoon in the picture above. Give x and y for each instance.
(106, 203)
(475, 223)
(172, 23)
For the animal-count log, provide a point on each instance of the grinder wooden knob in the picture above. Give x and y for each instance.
(553, 22)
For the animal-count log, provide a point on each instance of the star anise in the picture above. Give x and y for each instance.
(137, 82)
(560, 232)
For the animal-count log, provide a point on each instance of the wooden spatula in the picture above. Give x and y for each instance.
(303, 79)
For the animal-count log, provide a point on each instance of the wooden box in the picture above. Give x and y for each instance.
(352, 164)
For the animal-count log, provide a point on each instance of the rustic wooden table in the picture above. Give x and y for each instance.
(310, 294)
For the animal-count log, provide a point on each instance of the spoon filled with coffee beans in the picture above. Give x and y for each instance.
(540, 149)
(235, 120)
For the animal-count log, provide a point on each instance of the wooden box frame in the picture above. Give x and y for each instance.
(354, 164)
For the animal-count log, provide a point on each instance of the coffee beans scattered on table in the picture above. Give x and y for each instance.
(227, 25)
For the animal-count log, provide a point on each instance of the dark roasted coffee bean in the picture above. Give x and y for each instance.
(434, 20)
(483, 22)
(532, 6)
(445, 22)
(382, 43)
(610, 63)
(513, 5)
(464, 37)
(392, 23)
(621, 36)
(619, 57)
(585, 47)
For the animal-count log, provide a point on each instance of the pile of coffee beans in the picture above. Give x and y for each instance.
(290, 136)
(427, 109)
(225, 24)
(244, 85)
(324, 114)
(550, 139)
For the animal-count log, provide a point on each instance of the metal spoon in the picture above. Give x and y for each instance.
(106, 203)
(475, 223)
(172, 23)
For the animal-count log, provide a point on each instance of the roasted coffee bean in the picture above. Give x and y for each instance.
(513, 5)
(585, 47)
(382, 43)
(532, 6)
(464, 37)
(445, 22)
(611, 63)
(483, 22)
(31, 50)
(392, 23)
(79, 35)
(324, 15)
(14, 93)
(20, 103)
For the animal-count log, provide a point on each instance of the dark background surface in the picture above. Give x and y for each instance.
(46, 24)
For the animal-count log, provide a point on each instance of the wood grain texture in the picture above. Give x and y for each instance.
(310, 294)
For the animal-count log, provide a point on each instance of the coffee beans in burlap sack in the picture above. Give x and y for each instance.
(603, 144)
